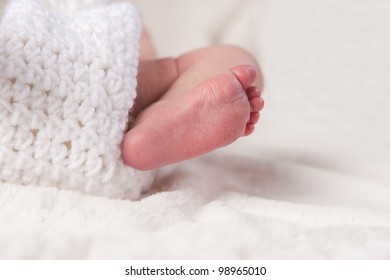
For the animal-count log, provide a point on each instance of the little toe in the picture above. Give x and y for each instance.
(250, 128)
(245, 74)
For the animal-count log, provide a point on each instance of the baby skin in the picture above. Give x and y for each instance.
(191, 105)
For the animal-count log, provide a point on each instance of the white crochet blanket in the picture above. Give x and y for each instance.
(312, 182)
(68, 80)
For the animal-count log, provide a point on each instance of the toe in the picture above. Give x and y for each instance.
(253, 92)
(254, 118)
(255, 100)
(250, 128)
(257, 104)
(245, 74)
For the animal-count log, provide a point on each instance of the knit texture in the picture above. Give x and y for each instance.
(67, 83)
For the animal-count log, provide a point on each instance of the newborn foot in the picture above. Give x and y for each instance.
(212, 115)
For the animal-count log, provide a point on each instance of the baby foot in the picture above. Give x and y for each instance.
(214, 114)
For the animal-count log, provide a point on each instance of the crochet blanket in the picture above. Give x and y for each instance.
(67, 81)
(313, 182)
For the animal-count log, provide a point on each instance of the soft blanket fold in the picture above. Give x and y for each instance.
(67, 83)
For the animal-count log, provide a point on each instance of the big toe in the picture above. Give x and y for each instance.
(245, 74)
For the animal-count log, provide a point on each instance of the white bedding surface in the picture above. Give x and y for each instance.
(313, 182)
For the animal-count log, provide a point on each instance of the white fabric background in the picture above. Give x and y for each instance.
(313, 182)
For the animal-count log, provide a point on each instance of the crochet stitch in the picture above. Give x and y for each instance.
(67, 83)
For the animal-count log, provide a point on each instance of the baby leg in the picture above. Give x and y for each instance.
(154, 79)
(147, 51)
